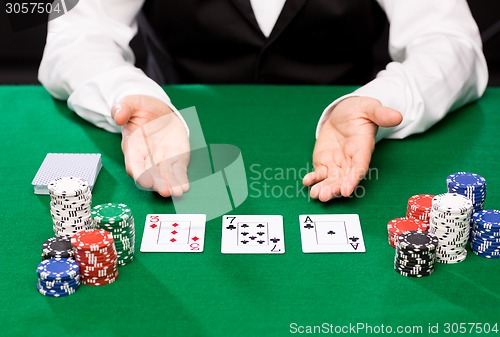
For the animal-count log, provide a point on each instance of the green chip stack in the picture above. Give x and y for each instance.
(118, 220)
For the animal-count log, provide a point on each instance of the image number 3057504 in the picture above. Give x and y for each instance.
(23, 14)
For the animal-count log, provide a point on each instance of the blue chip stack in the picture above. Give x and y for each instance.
(470, 185)
(485, 236)
(58, 277)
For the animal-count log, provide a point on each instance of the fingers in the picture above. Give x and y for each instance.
(165, 178)
(359, 166)
(135, 164)
(326, 190)
(316, 176)
(180, 173)
(385, 117)
(161, 184)
(325, 182)
(121, 113)
(170, 178)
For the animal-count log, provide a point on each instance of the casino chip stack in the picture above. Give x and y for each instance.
(419, 207)
(415, 254)
(70, 205)
(95, 253)
(486, 234)
(118, 220)
(58, 277)
(470, 185)
(398, 226)
(57, 247)
(450, 222)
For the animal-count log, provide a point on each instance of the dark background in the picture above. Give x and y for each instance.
(21, 52)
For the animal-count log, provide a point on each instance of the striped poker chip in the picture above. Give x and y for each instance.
(412, 240)
(92, 239)
(58, 269)
(70, 206)
(96, 254)
(485, 234)
(111, 213)
(465, 180)
(68, 187)
(450, 220)
(419, 207)
(398, 226)
(415, 253)
(117, 219)
(57, 247)
(452, 203)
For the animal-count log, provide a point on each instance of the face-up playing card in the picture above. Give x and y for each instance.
(252, 234)
(331, 233)
(174, 233)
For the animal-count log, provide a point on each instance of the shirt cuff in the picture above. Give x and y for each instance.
(94, 99)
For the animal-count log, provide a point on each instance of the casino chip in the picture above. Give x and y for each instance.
(398, 226)
(450, 222)
(419, 207)
(415, 253)
(471, 186)
(58, 277)
(118, 220)
(57, 247)
(96, 255)
(70, 206)
(485, 234)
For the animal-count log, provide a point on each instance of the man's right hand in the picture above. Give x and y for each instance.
(155, 144)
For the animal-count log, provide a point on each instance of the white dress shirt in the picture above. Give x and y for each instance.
(438, 64)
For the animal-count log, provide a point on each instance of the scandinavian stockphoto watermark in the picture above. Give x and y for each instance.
(24, 14)
(286, 182)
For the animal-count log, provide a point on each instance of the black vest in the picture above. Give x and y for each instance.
(219, 41)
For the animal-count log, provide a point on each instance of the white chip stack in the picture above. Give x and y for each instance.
(70, 205)
(450, 222)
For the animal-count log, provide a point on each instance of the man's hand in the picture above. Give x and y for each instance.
(345, 144)
(155, 144)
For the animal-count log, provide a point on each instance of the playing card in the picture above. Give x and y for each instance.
(174, 233)
(252, 234)
(331, 233)
(57, 165)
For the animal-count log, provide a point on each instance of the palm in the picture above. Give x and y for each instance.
(156, 146)
(343, 149)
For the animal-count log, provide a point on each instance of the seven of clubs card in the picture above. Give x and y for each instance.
(174, 233)
(252, 234)
(332, 233)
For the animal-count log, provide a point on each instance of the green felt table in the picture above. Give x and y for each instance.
(212, 294)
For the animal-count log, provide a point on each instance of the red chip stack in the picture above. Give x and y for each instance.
(96, 255)
(398, 226)
(419, 207)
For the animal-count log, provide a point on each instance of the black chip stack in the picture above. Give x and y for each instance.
(415, 253)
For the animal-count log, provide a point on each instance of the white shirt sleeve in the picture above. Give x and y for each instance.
(438, 64)
(87, 60)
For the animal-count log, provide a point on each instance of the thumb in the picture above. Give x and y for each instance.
(385, 117)
(121, 113)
